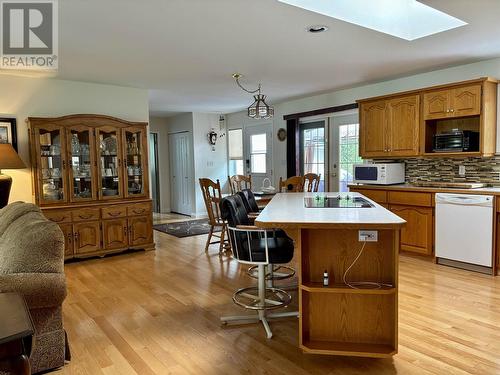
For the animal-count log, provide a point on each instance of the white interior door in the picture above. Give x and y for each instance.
(181, 179)
(344, 149)
(258, 151)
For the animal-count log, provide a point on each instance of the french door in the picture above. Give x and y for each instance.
(344, 150)
(258, 153)
(181, 179)
(313, 149)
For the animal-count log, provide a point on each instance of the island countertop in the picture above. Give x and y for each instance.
(287, 210)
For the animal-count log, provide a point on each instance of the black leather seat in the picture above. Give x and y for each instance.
(279, 246)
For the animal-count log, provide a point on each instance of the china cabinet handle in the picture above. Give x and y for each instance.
(76, 236)
(114, 214)
(70, 239)
(139, 211)
(64, 164)
(124, 163)
(125, 229)
(85, 217)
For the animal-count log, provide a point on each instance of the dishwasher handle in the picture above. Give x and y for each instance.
(465, 200)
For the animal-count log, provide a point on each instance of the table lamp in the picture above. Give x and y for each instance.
(9, 159)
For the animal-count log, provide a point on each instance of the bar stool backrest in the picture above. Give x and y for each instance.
(249, 200)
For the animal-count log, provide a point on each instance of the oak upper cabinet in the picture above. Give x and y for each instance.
(403, 125)
(437, 104)
(453, 102)
(372, 132)
(140, 230)
(82, 164)
(50, 162)
(466, 101)
(135, 161)
(115, 233)
(390, 127)
(109, 163)
(87, 237)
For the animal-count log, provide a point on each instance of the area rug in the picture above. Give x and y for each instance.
(186, 228)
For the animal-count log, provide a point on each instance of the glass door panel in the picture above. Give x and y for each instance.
(82, 165)
(135, 161)
(348, 153)
(109, 163)
(313, 150)
(51, 164)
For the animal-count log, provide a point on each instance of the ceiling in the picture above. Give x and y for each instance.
(184, 51)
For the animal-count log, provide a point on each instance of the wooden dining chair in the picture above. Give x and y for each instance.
(292, 184)
(239, 182)
(311, 182)
(212, 196)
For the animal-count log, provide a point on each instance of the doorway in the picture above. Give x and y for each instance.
(155, 171)
(313, 137)
(258, 151)
(344, 149)
(181, 167)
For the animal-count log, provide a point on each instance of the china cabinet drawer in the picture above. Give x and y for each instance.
(58, 216)
(113, 212)
(86, 214)
(139, 209)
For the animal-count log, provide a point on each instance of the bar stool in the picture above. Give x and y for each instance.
(258, 247)
(276, 272)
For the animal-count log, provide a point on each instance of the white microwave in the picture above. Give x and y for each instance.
(379, 174)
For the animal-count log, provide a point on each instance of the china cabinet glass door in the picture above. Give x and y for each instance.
(109, 163)
(82, 164)
(135, 161)
(51, 164)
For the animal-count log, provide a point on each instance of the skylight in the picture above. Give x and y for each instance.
(406, 19)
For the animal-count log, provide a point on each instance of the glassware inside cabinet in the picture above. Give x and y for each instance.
(134, 162)
(81, 164)
(109, 164)
(51, 165)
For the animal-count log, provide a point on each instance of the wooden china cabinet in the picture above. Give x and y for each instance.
(90, 175)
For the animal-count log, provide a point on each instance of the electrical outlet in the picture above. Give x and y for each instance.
(461, 170)
(368, 236)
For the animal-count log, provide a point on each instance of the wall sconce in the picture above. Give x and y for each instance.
(212, 139)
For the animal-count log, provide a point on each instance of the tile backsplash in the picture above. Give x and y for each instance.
(485, 170)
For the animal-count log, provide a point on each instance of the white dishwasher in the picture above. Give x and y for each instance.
(464, 231)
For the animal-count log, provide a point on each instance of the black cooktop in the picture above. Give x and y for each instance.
(339, 201)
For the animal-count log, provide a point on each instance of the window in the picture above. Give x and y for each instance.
(348, 153)
(258, 153)
(235, 145)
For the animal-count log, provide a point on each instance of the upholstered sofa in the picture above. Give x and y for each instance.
(32, 264)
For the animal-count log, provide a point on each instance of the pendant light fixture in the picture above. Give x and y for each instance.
(259, 108)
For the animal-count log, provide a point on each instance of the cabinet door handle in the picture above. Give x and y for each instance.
(125, 230)
(76, 236)
(70, 239)
(452, 110)
(119, 162)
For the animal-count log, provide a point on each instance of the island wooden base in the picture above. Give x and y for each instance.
(337, 319)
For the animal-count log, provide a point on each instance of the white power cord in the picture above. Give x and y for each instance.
(356, 284)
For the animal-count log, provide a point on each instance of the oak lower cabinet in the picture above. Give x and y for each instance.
(140, 230)
(87, 237)
(67, 230)
(115, 233)
(418, 211)
(417, 235)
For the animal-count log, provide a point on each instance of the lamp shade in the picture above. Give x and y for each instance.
(9, 159)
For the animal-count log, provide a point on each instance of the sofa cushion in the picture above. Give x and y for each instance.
(29, 243)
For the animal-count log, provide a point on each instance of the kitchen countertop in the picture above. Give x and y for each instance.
(409, 187)
(288, 210)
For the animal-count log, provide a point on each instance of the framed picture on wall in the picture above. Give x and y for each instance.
(8, 132)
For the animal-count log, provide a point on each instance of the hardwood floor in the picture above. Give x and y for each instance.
(158, 313)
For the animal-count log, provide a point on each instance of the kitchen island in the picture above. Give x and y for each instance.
(359, 319)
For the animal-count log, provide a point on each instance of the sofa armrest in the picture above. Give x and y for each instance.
(38, 289)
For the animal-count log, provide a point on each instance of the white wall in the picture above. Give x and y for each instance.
(459, 73)
(208, 163)
(23, 97)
